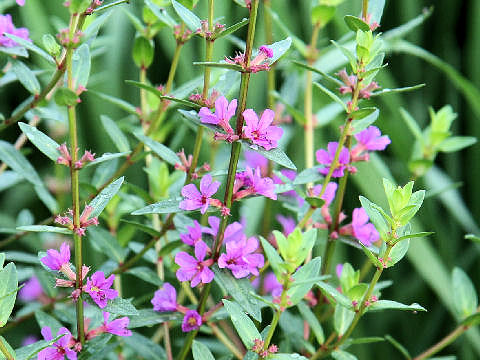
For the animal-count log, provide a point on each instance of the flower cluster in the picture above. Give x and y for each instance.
(258, 347)
(350, 82)
(259, 63)
(85, 220)
(7, 27)
(66, 159)
(251, 182)
(195, 199)
(97, 286)
(186, 163)
(65, 346)
(206, 33)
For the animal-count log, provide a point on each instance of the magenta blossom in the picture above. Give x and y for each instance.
(117, 326)
(363, 230)
(250, 183)
(29, 340)
(165, 298)
(195, 269)
(193, 235)
(199, 199)
(20, 2)
(99, 288)
(326, 158)
(233, 231)
(253, 159)
(191, 321)
(241, 259)
(32, 290)
(338, 270)
(270, 285)
(58, 349)
(329, 193)
(57, 260)
(288, 224)
(370, 139)
(223, 113)
(261, 132)
(7, 27)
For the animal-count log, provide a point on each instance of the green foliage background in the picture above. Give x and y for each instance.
(452, 33)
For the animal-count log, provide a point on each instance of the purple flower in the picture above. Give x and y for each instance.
(191, 321)
(29, 340)
(241, 259)
(255, 160)
(99, 288)
(165, 298)
(329, 193)
(20, 2)
(56, 260)
(223, 113)
(6, 26)
(253, 183)
(199, 200)
(270, 285)
(233, 231)
(364, 231)
(369, 139)
(326, 158)
(261, 132)
(31, 290)
(59, 348)
(338, 270)
(195, 269)
(288, 224)
(117, 326)
(194, 234)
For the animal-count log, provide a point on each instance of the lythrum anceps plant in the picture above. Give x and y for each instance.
(226, 124)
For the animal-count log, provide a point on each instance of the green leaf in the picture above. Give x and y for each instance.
(331, 95)
(312, 320)
(161, 14)
(47, 198)
(29, 352)
(342, 318)
(297, 42)
(161, 150)
(189, 18)
(107, 157)
(276, 155)
(286, 357)
(18, 163)
(51, 45)
(121, 307)
(279, 49)
(322, 14)
(32, 47)
(43, 319)
(315, 202)
(143, 52)
(375, 217)
(240, 290)
(275, 260)
(2, 260)
(8, 294)
(103, 241)
(318, 71)
(354, 23)
(343, 355)
(162, 207)
(466, 300)
(386, 91)
(362, 124)
(307, 176)
(168, 248)
(116, 135)
(399, 250)
(187, 103)
(26, 77)
(20, 256)
(146, 274)
(45, 228)
(101, 200)
(472, 320)
(307, 274)
(81, 66)
(223, 65)
(361, 113)
(122, 104)
(398, 346)
(363, 340)
(416, 235)
(14, 51)
(456, 143)
(245, 327)
(233, 28)
(146, 229)
(65, 97)
(473, 238)
(45, 144)
(201, 351)
(334, 295)
(374, 260)
(393, 305)
(10, 350)
(149, 317)
(412, 125)
(144, 347)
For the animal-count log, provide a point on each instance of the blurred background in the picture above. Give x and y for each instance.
(450, 70)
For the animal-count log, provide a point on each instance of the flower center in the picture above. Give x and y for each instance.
(192, 321)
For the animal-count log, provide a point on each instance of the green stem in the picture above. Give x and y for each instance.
(273, 326)
(5, 351)
(267, 18)
(119, 2)
(364, 9)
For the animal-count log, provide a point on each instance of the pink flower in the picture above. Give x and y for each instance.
(56, 260)
(270, 285)
(59, 348)
(326, 158)
(165, 298)
(338, 270)
(370, 139)
(288, 224)
(260, 132)
(255, 160)
(223, 113)
(6, 26)
(99, 288)
(249, 183)
(199, 200)
(193, 269)
(32, 290)
(329, 193)
(233, 231)
(117, 326)
(85, 220)
(191, 321)
(241, 259)
(29, 340)
(364, 231)
(20, 2)
(194, 234)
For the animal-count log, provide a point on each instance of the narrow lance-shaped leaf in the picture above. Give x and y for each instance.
(17, 162)
(8, 285)
(26, 77)
(331, 95)
(32, 47)
(276, 155)
(81, 66)
(45, 228)
(233, 28)
(161, 150)
(201, 351)
(161, 207)
(44, 143)
(465, 296)
(245, 327)
(191, 20)
(118, 137)
(101, 200)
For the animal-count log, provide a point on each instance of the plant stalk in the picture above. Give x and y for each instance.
(5, 351)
